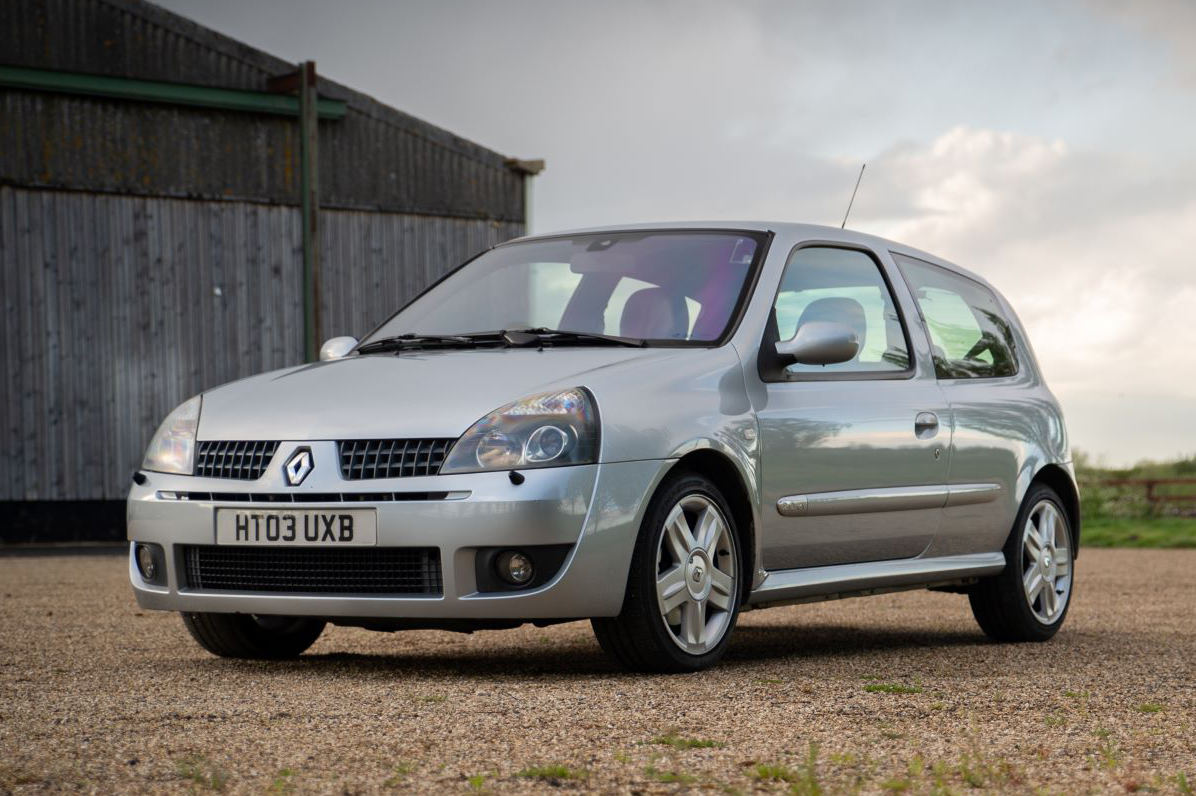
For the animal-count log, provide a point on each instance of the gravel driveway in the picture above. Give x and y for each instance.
(890, 694)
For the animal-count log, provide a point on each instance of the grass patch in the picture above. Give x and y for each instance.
(202, 772)
(1150, 707)
(550, 773)
(671, 738)
(477, 781)
(892, 688)
(677, 777)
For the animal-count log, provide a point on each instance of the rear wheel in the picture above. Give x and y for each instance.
(253, 636)
(1028, 601)
(682, 595)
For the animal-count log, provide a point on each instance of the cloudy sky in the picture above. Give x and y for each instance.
(1047, 145)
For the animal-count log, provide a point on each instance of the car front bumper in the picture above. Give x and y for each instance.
(596, 509)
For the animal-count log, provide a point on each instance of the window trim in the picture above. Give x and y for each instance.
(763, 240)
(1016, 348)
(765, 362)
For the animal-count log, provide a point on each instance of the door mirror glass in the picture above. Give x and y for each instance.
(336, 348)
(820, 343)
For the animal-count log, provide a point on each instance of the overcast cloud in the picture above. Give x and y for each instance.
(1047, 146)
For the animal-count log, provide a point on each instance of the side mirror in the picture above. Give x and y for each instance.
(820, 343)
(336, 348)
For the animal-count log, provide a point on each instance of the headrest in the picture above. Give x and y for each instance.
(655, 313)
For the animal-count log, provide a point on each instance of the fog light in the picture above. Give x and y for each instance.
(515, 568)
(145, 562)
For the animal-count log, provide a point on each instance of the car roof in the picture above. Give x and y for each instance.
(812, 232)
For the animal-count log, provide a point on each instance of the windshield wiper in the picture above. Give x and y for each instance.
(412, 342)
(505, 338)
(544, 336)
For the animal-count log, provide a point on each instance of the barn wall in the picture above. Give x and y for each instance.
(117, 308)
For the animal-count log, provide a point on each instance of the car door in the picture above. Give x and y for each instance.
(996, 406)
(854, 456)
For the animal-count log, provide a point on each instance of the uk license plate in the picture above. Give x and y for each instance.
(297, 528)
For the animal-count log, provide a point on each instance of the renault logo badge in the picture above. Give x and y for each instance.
(298, 466)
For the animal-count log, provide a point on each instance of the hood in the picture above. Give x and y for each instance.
(421, 394)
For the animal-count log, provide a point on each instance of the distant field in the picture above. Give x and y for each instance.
(1157, 532)
(1119, 515)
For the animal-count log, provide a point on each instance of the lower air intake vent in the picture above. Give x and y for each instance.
(378, 570)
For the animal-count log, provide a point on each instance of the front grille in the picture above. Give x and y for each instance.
(376, 570)
(392, 458)
(243, 461)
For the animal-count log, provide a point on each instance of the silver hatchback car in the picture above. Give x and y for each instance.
(650, 427)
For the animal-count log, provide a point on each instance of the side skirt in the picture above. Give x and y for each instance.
(789, 586)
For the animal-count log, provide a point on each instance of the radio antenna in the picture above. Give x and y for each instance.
(853, 191)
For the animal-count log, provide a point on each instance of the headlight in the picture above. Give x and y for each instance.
(172, 450)
(546, 430)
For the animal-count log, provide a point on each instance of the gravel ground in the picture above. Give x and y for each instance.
(898, 693)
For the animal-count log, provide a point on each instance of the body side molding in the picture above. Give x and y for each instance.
(863, 501)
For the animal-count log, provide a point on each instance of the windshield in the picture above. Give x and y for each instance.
(664, 287)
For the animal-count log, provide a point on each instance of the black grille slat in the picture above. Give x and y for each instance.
(240, 460)
(294, 570)
(363, 459)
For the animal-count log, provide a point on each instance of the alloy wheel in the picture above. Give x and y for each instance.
(1046, 562)
(696, 574)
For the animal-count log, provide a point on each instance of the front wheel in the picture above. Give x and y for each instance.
(1029, 599)
(252, 636)
(683, 589)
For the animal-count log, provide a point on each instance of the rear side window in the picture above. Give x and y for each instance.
(970, 337)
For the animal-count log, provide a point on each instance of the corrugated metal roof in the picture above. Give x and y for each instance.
(376, 158)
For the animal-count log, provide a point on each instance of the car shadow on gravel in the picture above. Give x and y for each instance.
(750, 646)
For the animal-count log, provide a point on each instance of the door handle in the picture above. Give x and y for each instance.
(926, 425)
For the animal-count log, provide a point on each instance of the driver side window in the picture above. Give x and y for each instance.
(969, 336)
(845, 286)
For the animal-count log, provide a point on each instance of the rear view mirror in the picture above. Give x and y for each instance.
(336, 348)
(820, 343)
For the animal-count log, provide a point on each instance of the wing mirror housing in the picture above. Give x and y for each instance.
(820, 343)
(337, 348)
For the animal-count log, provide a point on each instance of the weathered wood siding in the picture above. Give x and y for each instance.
(117, 308)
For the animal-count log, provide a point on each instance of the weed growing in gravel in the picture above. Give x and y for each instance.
(769, 681)
(678, 777)
(776, 772)
(1055, 720)
(553, 773)
(896, 785)
(1077, 694)
(671, 738)
(202, 772)
(807, 783)
(435, 699)
(476, 781)
(1150, 707)
(1181, 782)
(282, 782)
(399, 772)
(892, 688)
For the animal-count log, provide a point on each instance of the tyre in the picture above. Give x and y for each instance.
(1028, 600)
(683, 590)
(252, 636)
